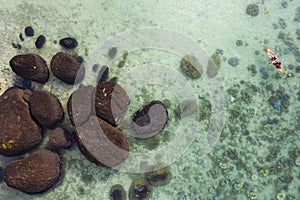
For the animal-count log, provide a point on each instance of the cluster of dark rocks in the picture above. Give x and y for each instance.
(95, 112)
(142, 188)
(67, 43)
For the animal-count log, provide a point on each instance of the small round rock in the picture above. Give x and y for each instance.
(68, 43)
(30, 66)
(252, 10)
(29, 31)
(58, 139)
(40, 41)
(46, 108)
(67, 68)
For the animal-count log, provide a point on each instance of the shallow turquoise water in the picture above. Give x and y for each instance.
(253, 154)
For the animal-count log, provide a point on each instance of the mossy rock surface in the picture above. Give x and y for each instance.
(140, 189)
(159, 177)
(191, 67)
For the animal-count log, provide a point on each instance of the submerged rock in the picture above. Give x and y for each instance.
(150, 119)
(80, 105)
(1, 175)
(101, 143)
(35, 173)
(40, 41)
(103, 74)
(252, 10)
(140, 190)
(66, 68)
(30, 66)
(191, 67)
(68, 43)
(159, 177)
(111, 102)
(58, 139)
(46, 108)
(18, 132)
(212, 69)
(117, 192)
(29, 31)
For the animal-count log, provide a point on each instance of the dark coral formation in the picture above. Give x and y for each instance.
(18, 132)
(46, 108)
(66, 68)
(35, 173)
(30, 66)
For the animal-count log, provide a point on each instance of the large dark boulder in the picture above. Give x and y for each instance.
(66, 68)
(30, 66)
(18, 132)
(35, 173)
(101, 143)
(80, 105)
(150, 119)
(111, 102)
(46, 108)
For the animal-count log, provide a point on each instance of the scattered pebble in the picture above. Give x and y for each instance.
(29, 31)
(112, 52)
(40, 41)
(68, 43)
(239, 43)
(284, 4)
(16, 46)
(233, 61)
(21, 37)
(252, 10)
(30, 66)
(95, 67)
